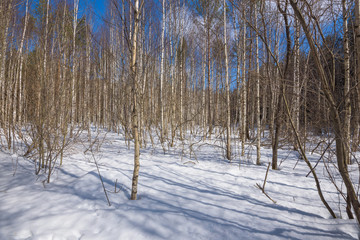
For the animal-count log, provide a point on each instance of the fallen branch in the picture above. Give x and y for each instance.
(262, 188)
(102, 182)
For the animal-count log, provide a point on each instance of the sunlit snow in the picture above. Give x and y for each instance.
(179, 197)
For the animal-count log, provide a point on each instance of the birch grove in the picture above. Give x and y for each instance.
(240, 75)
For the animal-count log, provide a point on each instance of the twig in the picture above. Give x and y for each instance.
(102, 182)
(322, 141)
(322, 155)
(262, 188)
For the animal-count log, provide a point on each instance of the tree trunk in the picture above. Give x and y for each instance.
(73, 79)
(283, 73)
(162, 73)
(203, 96)
(133, 72)
(296, 105)
(18, 86)
(208, 23)
(173, 78)
(347, 121)
(3, 61)
(257, 98)
(244, 90)
(181, 82)
(356, 137)
(227, 85)
(41, 96)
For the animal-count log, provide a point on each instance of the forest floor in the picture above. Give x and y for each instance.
(179, 197)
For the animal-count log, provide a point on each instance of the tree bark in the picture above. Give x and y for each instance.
(18, 85)
(3, 60)
(162, 73)
(73, 79)
(133, 72)
(203, 95)
(227, 86)
(257, 82)
(356, 136)
(244, 90)
(347, 122)
(296, 105)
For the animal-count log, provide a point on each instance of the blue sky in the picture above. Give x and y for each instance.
(99, 6)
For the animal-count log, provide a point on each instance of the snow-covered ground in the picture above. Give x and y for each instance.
(179, 197)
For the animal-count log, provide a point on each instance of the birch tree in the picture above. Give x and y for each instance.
(134, 90)
(41, 111)
(257, 82)
(162, 72)
(296, 88)
(227, 86)
(74, 67)
(244, 89)
(356, 137)
(19, 83)
(347, 125)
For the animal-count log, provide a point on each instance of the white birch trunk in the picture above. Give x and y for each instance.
(244, 87)
(347, 121)
(73, 92)
(208, 50)
(87, 84)
(203, 107)
(227, 86)
(172, 77)
(162, 72)
(257, 80)
(133, 70)
(296, 109)
(182, 59)
(20, 51)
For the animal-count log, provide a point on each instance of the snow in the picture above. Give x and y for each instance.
(179, 197)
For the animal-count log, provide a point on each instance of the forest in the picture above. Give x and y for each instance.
(274, 79)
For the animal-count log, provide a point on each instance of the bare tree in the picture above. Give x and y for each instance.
(5, 11)
(19, 83)
(244, 89)
(162, 71)
(135, 87)
(347, 121)
(296, 101)
(341, 147)
(257, 95)
(74, 63)
(227, 86)
(356, 136)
